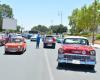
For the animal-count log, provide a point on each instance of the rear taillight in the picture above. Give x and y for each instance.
(53, 39)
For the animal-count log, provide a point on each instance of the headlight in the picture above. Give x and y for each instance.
(60, 51)
(19, 47)
(83, 52)
(92, 53)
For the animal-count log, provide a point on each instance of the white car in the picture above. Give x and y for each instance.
(33, 38)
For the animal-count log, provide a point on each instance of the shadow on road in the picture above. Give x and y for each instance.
(13, 53)
(78, 68)
(49, 48)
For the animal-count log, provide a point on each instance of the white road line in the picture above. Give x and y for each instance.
(49, 68)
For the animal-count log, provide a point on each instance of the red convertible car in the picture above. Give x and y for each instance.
(76, 50)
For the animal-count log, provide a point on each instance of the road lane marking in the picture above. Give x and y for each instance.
(49, 68)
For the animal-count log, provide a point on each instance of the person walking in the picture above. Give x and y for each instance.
(38, 41)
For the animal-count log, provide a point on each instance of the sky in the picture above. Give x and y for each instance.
(30, 13)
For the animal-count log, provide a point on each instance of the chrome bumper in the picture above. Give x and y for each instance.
(76, 62)
(76, 59)
(13, 50)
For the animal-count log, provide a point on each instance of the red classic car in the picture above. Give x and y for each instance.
(16, 44)
(76, 50)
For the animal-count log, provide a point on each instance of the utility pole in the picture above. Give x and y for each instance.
(51, 22)
(94, 22)
(60, 14)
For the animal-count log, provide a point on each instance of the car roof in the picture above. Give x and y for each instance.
(76, 37)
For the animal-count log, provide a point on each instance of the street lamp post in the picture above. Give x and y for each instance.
(60, 14)
(94, 22)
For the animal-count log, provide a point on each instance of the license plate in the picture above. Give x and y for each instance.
(75, 61)
(49, 44)
(76, 51)
(12, 51)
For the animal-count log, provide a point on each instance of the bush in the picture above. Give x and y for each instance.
(98, 36)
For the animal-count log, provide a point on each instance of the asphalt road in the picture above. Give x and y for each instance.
(41, 64)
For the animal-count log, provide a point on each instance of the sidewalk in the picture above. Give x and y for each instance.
(95, 45)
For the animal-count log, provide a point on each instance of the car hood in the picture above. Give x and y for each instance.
(77, 47)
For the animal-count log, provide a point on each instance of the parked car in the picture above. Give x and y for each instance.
(16, 44)
(76, 50)
(34, 37)
(59, 40)
(27, 35)
(19, 34)
(2, 39)
(49, 41)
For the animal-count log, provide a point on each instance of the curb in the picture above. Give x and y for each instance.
(95, 45)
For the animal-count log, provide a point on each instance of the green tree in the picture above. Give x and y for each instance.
(40, 28)
(58, 28)
(82, 20)
(18, 28)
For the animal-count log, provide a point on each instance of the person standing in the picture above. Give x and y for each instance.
(38, 41)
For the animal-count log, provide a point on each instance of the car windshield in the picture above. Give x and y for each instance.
(15, 40)
(49, 38)
(76, 41)
(34, 36)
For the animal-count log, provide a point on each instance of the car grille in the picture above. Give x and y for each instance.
(77, 57)
(12, 49)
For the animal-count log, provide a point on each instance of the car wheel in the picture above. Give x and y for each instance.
(44, 45)
(21, 52)
(53, 46)
(92, 66)
(6, 52)
(60, 65)
(24, 49)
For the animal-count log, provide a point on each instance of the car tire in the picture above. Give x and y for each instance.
(24, 50)
(44, 45)
(6, 52)
(21, 52)
(53, 46)
(60, 65)
(92, 66)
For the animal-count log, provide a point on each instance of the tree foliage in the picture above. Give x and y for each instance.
(58, 28)
(85, 19)
(40, 28)
(5, 10)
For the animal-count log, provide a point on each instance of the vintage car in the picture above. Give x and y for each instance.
(34, 37)
(15, 44)
(76, 50)
(49, 42)
(2, 39)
